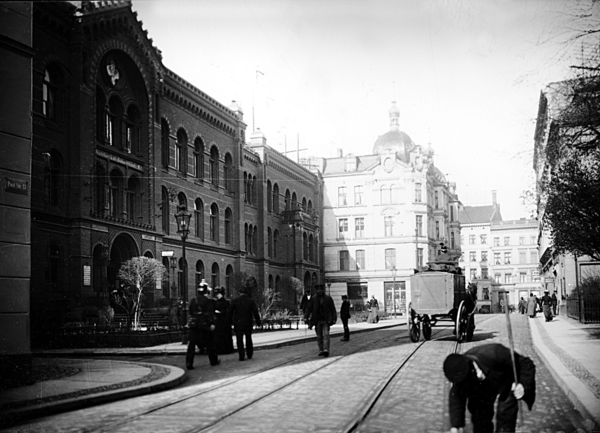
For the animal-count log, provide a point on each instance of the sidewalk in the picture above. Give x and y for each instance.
(86, 377)
(569, 349)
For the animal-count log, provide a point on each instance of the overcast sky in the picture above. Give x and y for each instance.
(465, 74)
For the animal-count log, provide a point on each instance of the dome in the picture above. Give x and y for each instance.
(393, 141)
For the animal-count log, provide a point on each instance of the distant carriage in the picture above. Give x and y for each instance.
(439, 294)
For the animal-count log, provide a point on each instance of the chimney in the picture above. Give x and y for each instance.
(494, 197)
(340, 152)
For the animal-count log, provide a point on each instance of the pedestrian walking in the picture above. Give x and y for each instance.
(554, 303)
(305, 300)
(242, 312)
(345, 315)
(522, 306)
(479, 377)
(531, 305)
(547, 305)
(201, 326)
(322, 315)
(373, 310)
(223, 335)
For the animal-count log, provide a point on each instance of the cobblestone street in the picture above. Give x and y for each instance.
(292, 389)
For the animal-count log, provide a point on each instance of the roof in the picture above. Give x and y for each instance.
(479, 214)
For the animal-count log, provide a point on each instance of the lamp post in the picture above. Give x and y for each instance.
(183, 229)
(394, 289)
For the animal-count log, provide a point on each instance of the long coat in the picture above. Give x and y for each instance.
(531, 304)
(321, 311)
(223, 337)
(496, 363)
(243, 309)
(345, 310)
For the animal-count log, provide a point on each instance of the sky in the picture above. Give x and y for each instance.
(321, 75)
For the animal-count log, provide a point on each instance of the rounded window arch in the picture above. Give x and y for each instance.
(182, 200)
(53, 181)
(199, 273)
(228, 172)
(275, 243)
(214, 166)
(214, 223)
(134, 199)
(114, 123)
(215, 277)
(133, 126)
(164, 142)
(275, 198)
(52, 91)
(294, 201)
(181, 151)
(228, 226)
(115, 194)
(288, 203)
(269, 196)
(304, 208)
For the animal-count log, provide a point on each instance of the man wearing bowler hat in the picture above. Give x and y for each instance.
(321, 314)
(202, 308)
(483, 375)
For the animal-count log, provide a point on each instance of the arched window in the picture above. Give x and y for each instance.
(246, 237)
(250, 239)
(199, 158)
(245, 187)
(49, 102)
(181, 151)
(164, 142)
(228, 172)
(310, 206)
(115, 123)
(228, 226)
(255, 240)
(133, 124)
(311, 247)
(277, 281)
(275, 243)
(52, 179)
(199, 272)
(214, 223)
(165, 211)
(254, 191)
(270, 281)
(294, 201)
(269, 242)
(134, 200)
(269, 196)
(276, 198)
(288, 203)
(304, 204)
(214, 166)
(215, 277)
(182, 200)
(115, 197)
(199, 218)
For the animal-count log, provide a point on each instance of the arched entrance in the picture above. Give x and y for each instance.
(122, 249)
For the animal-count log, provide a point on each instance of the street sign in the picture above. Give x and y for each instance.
(167, 253)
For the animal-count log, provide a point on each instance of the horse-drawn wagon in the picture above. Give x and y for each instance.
(438, 294)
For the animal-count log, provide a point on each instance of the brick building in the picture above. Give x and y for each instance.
(120, 143)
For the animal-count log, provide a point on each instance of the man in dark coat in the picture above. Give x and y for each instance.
(547, 306)
(222, 334)
(322, 315)
(345, 315)
(305, 301)
(481, 375)
(203, 308)
(554, 303)
(243, 309)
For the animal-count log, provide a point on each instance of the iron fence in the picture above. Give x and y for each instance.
(585, 309)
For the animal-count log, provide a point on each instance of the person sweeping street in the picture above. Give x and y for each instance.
(483, 375)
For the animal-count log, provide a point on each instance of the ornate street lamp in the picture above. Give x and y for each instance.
(394, 289)
(183, 229)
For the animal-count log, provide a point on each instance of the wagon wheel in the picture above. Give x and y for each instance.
(462, 318)
(415, 332)
(426, 328)
(471, 327)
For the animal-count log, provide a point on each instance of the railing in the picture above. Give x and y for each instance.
(585, 309)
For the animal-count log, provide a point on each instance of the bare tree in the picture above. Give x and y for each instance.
(140, 273)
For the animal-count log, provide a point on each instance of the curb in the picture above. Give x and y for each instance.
(175, 377)
(560, 373)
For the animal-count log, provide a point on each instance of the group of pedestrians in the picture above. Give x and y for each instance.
(209, 327)
(548, 304)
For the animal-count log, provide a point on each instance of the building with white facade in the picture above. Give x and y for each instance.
(385, 214)
(500, 257)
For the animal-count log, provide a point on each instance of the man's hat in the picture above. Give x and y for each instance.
(457, 367)
(220, 290)
(344, 297)
(203, 286)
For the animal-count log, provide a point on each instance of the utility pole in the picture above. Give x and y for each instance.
(297, 148)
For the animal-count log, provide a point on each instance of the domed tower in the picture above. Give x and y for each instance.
(394, 141)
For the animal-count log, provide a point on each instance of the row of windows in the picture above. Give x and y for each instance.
(507, 240)
(189, 160)
(388, 194)
(198, 218)
(347, 262)
(505, 257)
(290, 200)
(117, 197)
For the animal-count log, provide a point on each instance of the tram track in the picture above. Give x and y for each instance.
(236, 381)
(258, 389)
